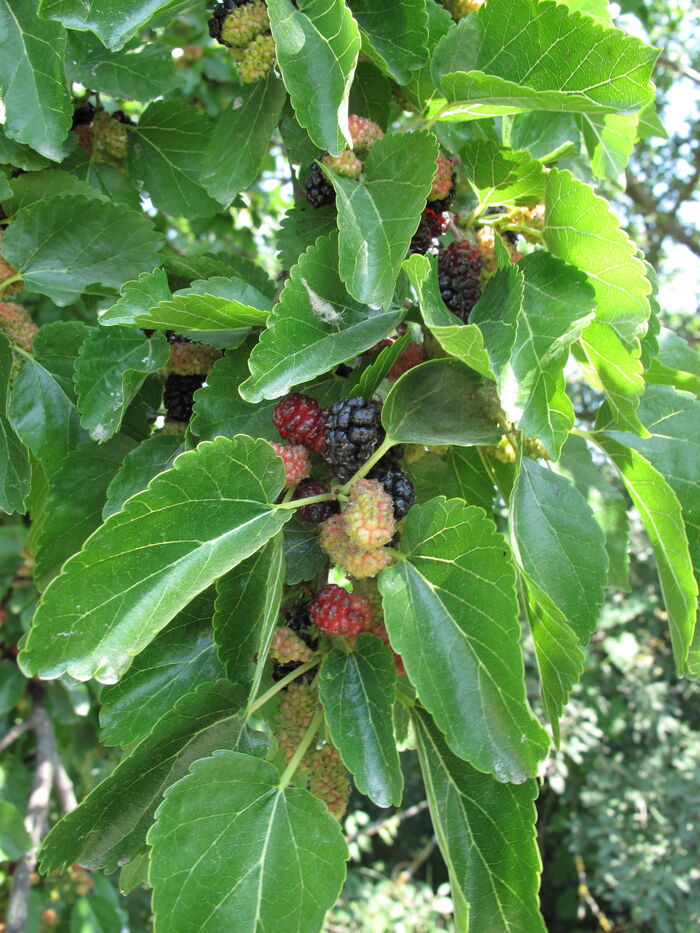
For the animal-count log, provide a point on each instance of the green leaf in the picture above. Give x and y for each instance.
(375, 221)
(15, 469)
(166, 155)
(111, 367)
(246, 613)
(357, 690)
(559, 544)
(77, 492)
(486, 832)
(139, 73)
(12, 682)
(317, 49)
(31, 187)
(463, 341)
(106, 180)
(299, 229)
(65, 244)
(181, 658)
(661, 515)
(137, 297)
(113, 25)
(315, 326)
(581, 229)
(365, 382)
(557, 304)
(559, 657)
(455, 591)
(457, 474)
(192, 524)
(496, 315)
(14, 838)
(150, 457)
(56, 347)
(219, 409)
(43, 416)
(109, 827)
(501, 176)
(303, 557)
(420, 91)
(261, 857)
(546, 136)
(618, 370)
(241, 139)
(516, 55)
(440, 402)
(396, 33)
(37, 101)
(370, 94)
(184, 270)
(16, 155)
(609, 505)
(676, 363)
(610, 139)
(210, 307)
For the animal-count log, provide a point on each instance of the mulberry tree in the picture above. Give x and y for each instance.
(296, 302)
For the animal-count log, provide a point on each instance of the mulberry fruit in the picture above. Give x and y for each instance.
(316, 512)
(334, 611)
(459, 276)
(177, 398)
(443, 185)
(300, 419)
(411, 356)
(328, 779)
(109, 138)
(426, 239)
(286, 647)
(346, 164)
(458, 9)
(353, 431)
(17, 325)
(364, 133)
(188, 358)
(369, 516)
(219, 14)
(319, 191)
(255, 61)
(244, 24)
(399, 487)
(8, 271)
(297, 708)
(296, 462)
(343, 552)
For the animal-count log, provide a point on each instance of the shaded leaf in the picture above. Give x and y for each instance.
(152, 456)
(303, 557)
(397, 33)
(112, 25)
(357, 690)
(501, 176)
(15, 468)
(457, 474)
(300, 228)
(176, 662)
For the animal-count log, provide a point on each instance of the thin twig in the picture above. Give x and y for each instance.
(35, 821)
(15, 732)
(379, 825)
(64, 786)
(407, 873)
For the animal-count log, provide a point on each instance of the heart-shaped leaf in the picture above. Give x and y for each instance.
(455, 590)
(192, 524)
(65, 244)
(111, 367)
(486, 832)
(315, 326)
(37, 101)
(109, 827)
(261, 858)
(357, 690)
(181, 658)
(375, 222)
(166, 154)
(317, 48)
(440, 402)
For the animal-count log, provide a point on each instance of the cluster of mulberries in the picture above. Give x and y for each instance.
(296, 711)
(486, 244)
(109, 137)
(296, 462)
(364, 133)
(17, 325)
(459, 276)
(178, 399)
(188, 358)
(186, 371)
(527, 217)
(287, 647)
(431, 227)
(243, 26)
(293, 643)
(328, 779)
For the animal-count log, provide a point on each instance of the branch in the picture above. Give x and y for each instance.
(667, 224)
(35, 821)
(64, 786)
(379, 825)
(15, 732)
(680, 69)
